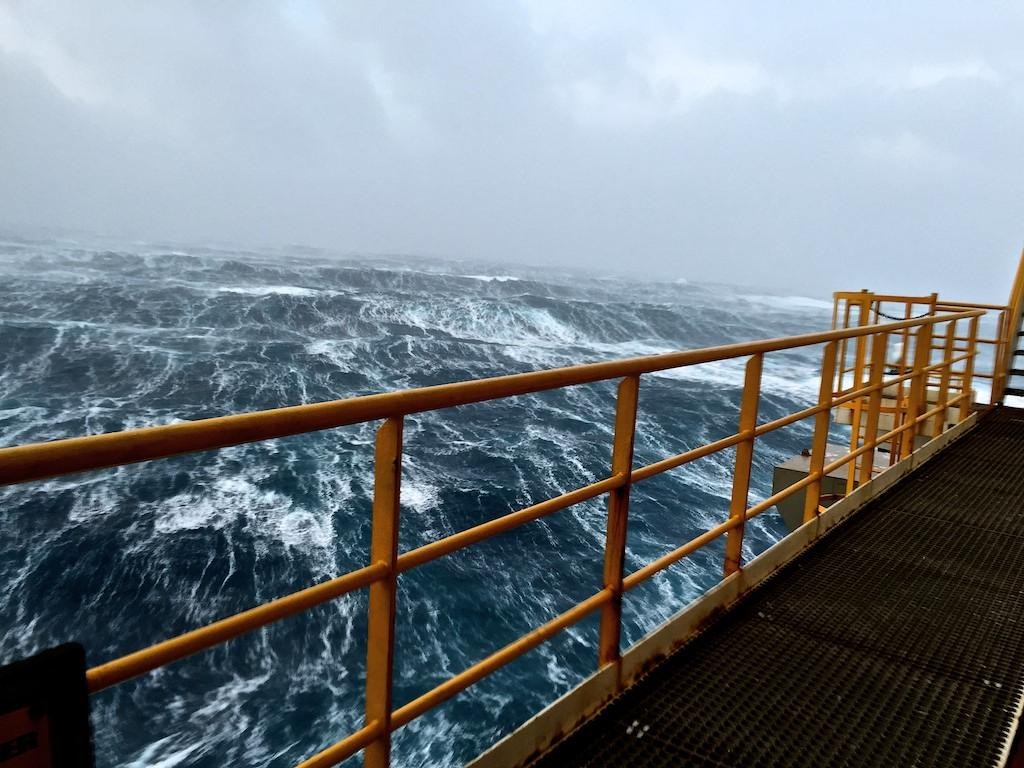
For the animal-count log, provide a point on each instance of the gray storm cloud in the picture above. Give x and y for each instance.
(805, 147)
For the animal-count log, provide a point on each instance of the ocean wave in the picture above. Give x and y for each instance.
(94, 339)
(268, 290)
(797, 303)
(492, 278)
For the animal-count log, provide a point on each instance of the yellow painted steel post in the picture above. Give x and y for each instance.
(821, 421)
(618, 517)
(744, 460)
(879, 346)
(998, 369)
(917, 399)
(860, 356)
(380, 645)
(902, 390)
(945, 373)
(840, 374)
(968, 378)
(1013, 324)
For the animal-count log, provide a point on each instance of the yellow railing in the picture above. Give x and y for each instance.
(1010, 326)
(32, 462)
(854, 367)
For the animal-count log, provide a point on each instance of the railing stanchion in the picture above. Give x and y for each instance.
(380, 645)
(744, 459)
(918, 399)
(967, 382)
(879, 346)
(618, 517)
(1001, 350)
(828, 368)
(860, 357)
(945, 374)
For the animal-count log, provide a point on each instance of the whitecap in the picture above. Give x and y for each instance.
(789, 302)
(156, 756)
(302, 530)
(492, 278)
(269, 290)
(419, 496)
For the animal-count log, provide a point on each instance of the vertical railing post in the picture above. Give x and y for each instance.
(966, 402)
(879, 346)
(744, 460)
(856, 407)
(998, 357)
(821, 421)
(618, 517)
(1011, 328)
(380, 645)
(918, 397)
(945, 374)
(902, 390)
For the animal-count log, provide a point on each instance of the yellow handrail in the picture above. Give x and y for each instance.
(62, 457)
(1009, 325)
(41, 460)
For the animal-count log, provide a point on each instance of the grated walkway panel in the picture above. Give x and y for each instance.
(897, 640)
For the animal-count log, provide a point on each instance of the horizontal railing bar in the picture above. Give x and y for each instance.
(160, 654)
(496, 660)
(957, 305)
(678, 460)
(663, 562)
(785, 421)
(642, 473)
(642, 574)
(854, 394)
(890, 434)
(889, 298)
(785, 493)
(849, 457)
(428, 552)
(939, 408)
(345, 748)
(881, 439)
(62, 457)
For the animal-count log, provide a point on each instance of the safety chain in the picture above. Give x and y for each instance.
(891, 317)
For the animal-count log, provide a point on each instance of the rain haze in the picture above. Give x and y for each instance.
(799, 148)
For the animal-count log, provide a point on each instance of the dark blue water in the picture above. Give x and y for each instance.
(94, 339)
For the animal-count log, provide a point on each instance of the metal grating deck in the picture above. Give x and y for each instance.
(898, 640)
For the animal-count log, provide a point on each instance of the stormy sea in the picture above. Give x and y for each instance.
(97, 336)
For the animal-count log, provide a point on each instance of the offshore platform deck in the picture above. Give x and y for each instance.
(898, 639)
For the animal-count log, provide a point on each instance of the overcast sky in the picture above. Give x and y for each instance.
(801, 146)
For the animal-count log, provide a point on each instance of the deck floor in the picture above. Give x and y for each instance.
(898, 640)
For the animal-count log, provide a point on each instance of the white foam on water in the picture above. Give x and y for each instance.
(778, 377)
(419, 495)
(163, 753)
(96, 499)
(788, 302)
(302, 530)
(268, 290)
(492, 278)
(489, 321)
(273, 515)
